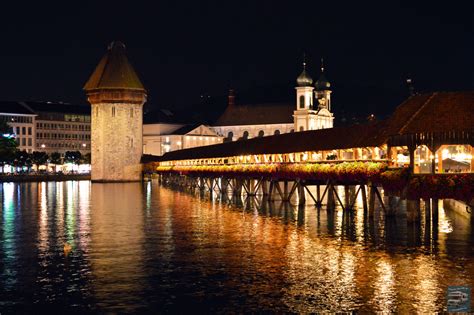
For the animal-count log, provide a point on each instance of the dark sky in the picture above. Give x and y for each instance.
(182, 50)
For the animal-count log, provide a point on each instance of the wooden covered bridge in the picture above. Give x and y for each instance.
(423, 151)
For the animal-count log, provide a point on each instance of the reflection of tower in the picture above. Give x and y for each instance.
(116, 96)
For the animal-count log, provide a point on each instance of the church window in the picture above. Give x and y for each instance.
(302, 101)
(261, 133)
(245, 136)
(277, 132)
(301, 128)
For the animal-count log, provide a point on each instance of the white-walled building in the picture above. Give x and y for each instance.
(311, 111)
(47, 126)
(23, 123)
(159, 138)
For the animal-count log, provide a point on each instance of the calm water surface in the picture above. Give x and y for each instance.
(142, 247)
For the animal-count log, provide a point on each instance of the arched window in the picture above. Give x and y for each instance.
(302, 101)
(261, 133)
(301, 128)
(277, 132)
(245, 136)
(230, 137)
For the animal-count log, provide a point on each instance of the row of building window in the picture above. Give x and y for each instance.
(64, 136)
(63, 126)
(22, 131)
(17, 119)
(23, 141)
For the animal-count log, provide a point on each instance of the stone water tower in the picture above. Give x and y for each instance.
(116, 96)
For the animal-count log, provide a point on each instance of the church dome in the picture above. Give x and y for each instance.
(322, 83)
(304, 79)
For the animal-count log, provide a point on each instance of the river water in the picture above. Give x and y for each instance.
(141, 247)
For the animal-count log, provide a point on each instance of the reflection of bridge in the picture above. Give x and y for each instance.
(314, 163)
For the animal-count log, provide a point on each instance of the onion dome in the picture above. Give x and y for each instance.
(322, 83)
(304, 79)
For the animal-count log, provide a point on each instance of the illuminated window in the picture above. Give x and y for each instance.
(302, 101)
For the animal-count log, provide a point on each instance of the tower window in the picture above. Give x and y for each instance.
(113, 111)
(302, 101)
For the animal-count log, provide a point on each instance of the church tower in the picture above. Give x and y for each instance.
(116, 96)
(303, 114)
(323, 90)
(323, 98)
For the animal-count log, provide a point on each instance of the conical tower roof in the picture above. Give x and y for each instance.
(114, 71)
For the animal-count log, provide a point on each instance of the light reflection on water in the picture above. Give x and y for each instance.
(137, 247)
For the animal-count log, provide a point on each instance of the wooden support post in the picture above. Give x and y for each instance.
(301, 195)
(316, 202)
(224, 186)
(371, 200)
(427, 203)
(285, 190)
(271, 190)
(435, 211)
(364, 197)
(318, 195)
(338, 199)
(264, 187)
(331, 202)
(347, 198)
(413, 211)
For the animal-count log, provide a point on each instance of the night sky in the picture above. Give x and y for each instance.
(187, 52)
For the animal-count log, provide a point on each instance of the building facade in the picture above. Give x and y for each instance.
(160, 138)
(23, 123)
(48, 127)
(312, 112)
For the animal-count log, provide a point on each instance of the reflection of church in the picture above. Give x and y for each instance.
(311, 111)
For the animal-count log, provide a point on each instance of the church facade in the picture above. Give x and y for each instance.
(311, 111)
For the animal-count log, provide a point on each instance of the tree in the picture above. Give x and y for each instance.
(8, 145)
(22, 159)
(55, 158)
(72, 157)
(39, 158)
(86, 159)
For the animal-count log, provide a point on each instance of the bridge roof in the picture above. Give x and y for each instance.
(433, 112)
(315, 140)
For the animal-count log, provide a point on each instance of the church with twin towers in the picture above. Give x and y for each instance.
(119, 136)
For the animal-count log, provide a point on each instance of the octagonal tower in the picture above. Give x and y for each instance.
(116, 96)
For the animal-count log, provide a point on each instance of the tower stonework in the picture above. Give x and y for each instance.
(116, 96)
